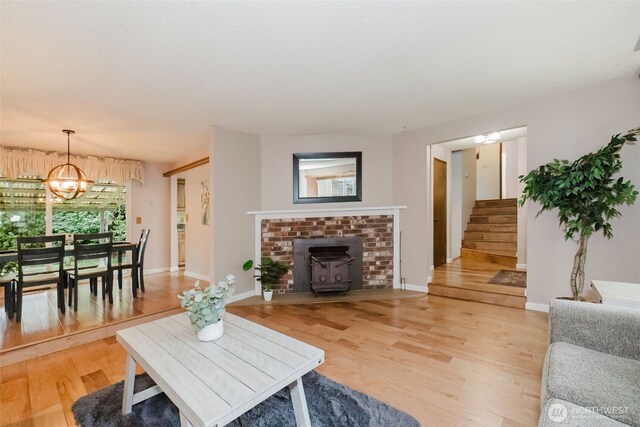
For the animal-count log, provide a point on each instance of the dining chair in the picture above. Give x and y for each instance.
(40, 262)
(137, 257)
(96, 248)
(142, 248)
(8, 282)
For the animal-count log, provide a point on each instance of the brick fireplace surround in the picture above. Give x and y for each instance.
(378, 228)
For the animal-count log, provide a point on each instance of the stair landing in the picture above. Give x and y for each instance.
(467, 278)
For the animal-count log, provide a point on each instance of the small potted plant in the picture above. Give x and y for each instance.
(206, 306)
(270, 273)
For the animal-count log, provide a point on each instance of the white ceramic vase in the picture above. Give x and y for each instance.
(211, 332)
(267, 295)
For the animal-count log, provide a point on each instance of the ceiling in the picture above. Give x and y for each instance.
(467, 142)
(145, 80)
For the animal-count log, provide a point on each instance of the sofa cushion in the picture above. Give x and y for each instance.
(560, 413)
(606, 384)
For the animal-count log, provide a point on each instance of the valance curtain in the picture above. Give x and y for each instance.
(15, 162)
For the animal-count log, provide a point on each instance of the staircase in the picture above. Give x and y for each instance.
(489, 245)
(492, 232)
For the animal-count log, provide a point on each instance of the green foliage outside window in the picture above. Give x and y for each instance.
(32, 223)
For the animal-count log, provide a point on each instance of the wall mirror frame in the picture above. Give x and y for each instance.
(327, 177)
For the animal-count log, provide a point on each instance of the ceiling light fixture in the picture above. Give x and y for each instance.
(490, 138)
(68, 181)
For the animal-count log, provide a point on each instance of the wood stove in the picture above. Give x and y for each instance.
(330, 268)
(327, 264)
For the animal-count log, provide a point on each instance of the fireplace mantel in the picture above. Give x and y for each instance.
(303, 213)
(391, 212)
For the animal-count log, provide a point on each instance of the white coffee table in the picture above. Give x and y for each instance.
(617, 293)
(212, 383)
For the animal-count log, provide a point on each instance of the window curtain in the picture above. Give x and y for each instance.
(15, 162)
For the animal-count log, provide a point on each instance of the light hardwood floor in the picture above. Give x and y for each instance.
(447, 362)
(468, 278)
(42, 321)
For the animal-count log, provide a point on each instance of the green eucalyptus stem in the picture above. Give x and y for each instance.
(206, 306)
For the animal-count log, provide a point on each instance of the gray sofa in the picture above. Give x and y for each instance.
(591, 374)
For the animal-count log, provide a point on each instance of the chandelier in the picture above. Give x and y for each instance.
(487, 139)
(68, 181)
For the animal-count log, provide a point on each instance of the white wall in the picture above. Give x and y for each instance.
(510, 164)
(488, 172)
(173, 218)
(277, 167)
(197, 235)
(235, 189)
(468, 185)
(457, 228)
(152, 203)
(463, 195)
(522, 210)
(565, 126)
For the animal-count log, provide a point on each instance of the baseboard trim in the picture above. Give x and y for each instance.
(157, 270)
(537, 307)
(521, 266)
(174, 269)
(243, 295)
(449, 260)
(417, 288)
(429, 279)
(197, 276)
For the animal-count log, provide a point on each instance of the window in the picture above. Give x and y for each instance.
(101, 209)
(337, 187)
(23, 212)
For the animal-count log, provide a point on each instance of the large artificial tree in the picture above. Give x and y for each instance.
(585, 194)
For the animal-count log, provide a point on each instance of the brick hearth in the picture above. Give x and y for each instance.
(376, 232)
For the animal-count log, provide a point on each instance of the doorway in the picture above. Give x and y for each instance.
(478, 228)
(439, 212)
(181, 205)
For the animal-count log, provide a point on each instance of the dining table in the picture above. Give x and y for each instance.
(117, 248)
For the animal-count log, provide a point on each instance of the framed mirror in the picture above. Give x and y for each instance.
(327, 177)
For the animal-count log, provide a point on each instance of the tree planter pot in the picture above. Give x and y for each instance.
(267, 295)
(211, 332)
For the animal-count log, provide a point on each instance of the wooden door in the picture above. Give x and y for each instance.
(439, 212)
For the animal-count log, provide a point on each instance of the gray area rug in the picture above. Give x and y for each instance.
(330, 404)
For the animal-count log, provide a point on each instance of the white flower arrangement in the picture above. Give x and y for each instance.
(205, 306)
